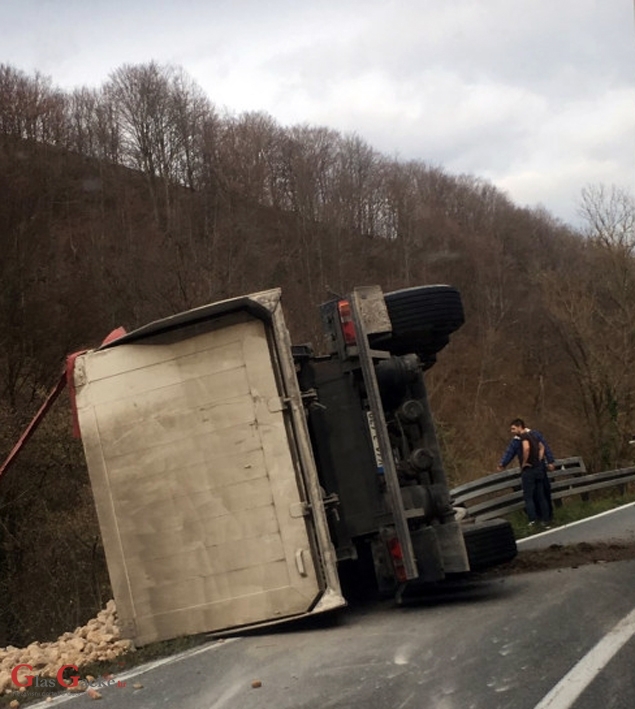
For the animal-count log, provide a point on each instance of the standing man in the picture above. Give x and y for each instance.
(515, 450)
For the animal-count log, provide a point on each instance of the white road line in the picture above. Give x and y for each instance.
(571, 686)
(136, 671)
(574, 524)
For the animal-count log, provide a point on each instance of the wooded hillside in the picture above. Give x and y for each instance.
(137, 200)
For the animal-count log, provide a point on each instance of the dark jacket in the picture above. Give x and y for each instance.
(515, 450)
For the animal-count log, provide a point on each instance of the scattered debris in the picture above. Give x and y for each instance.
(97, 641)
(571, 556)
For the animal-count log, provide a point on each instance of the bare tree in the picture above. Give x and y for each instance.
(594, 312)
(190, 113)
(30, 108)
(248, 148)
(609, 215)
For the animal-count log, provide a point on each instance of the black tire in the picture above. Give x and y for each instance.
(489, 543)
(422, 320)
(424, 309)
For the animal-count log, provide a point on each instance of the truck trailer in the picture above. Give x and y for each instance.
(241, 480)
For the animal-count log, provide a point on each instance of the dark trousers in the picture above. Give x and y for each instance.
(536, 504)
(547, 491)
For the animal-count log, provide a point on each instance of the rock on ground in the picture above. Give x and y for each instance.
(97, 641)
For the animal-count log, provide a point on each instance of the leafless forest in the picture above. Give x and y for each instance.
(140, 199)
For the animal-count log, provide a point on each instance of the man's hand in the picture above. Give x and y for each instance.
(499, 468)
(551, 467)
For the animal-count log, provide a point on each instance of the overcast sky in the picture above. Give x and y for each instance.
(537, 96)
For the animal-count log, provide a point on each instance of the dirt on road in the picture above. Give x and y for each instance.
(558, 556)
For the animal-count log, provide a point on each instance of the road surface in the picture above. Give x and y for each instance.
(617, 524)
(556, 639)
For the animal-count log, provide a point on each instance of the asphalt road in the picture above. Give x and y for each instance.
(548, 640)
(617, 524)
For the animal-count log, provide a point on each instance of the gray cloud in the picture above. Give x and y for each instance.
(534, 95)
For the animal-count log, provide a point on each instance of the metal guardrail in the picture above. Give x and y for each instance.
(501, 493)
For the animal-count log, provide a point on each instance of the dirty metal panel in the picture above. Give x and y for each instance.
(372, 310)
(194, 482)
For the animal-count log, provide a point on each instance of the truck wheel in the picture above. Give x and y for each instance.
(489, 543)
(422, 320)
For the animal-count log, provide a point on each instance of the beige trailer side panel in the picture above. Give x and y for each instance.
(195, 483)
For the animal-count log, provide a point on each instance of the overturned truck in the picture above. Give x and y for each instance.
(240, 480)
